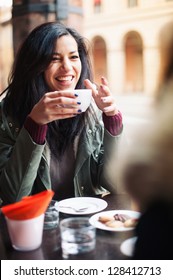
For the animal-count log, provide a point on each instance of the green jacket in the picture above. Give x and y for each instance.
(24, 165)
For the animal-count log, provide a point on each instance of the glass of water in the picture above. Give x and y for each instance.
(51, 219)
(78, 236)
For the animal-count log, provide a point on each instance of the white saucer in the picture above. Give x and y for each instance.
(91, 204)
(127, 246)
(94, 220)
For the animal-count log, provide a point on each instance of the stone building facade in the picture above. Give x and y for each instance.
(6, 52)
(23, 16)
(27, 14)
(124, 36)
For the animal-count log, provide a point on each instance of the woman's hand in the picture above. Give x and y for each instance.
(103, 97)
(55, 106)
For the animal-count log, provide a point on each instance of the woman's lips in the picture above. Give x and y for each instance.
(65, 78)
(65, 82)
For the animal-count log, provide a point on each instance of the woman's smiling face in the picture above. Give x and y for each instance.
(64, 70)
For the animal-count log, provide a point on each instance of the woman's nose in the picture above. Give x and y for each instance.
(66, 64)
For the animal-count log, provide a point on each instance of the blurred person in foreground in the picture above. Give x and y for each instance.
(46, 142)
(146, 168)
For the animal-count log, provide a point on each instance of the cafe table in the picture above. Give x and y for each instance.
(107, 242)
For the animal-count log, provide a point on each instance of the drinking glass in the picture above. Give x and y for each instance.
(78, 236)
(51, 219)
(26, 235)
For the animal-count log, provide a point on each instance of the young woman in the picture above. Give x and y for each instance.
(45, 140)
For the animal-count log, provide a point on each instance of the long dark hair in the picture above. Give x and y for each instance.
(27, 84)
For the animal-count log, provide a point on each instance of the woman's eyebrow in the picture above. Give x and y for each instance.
(57, 53)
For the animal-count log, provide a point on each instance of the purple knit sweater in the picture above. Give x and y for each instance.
(38, 132)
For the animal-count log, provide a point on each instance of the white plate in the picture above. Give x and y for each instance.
(91, 204)
(95, 222)
(127, 246)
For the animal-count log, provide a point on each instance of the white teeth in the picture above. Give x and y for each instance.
(66, 78)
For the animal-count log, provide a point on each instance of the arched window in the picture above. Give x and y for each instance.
(99, 58)
(134, 62)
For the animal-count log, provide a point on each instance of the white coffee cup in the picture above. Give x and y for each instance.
(26, 235)
(84, 97)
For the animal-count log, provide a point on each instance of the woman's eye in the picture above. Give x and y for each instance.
(55, 58)
(75, 57)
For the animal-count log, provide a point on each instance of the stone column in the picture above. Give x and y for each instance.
(151, 66)
(27, 14)
(116, 71)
